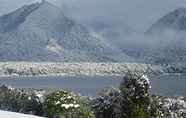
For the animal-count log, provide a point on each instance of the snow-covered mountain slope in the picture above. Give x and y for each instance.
(175, 20)
(41, 32)
(166, 38)
(6, 114)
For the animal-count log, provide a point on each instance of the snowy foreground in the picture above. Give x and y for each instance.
(54, 69)
(6, 114)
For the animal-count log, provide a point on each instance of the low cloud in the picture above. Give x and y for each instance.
(138, 15)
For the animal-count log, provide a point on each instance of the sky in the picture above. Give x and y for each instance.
(137, 14)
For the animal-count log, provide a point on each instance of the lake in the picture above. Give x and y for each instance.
(91, 85)
(86, 85)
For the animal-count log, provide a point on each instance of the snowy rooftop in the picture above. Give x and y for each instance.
(5, 114)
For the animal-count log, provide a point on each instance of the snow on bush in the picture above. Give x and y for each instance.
(131, 100)
(61, 104)
(17, 101)
(169, 107)
(135, 96)
(135, 85)
(104, 105)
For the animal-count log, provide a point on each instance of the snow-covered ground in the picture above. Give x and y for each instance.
(52, 68)
(6, 114)
(85, 69)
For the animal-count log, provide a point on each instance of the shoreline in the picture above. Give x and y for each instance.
(55, 69)
(79, 75)
(72, 69)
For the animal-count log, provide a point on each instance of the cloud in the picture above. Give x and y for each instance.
(139, 14)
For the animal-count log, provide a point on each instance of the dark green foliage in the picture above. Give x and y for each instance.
(17, 101)
(131, 101)
(61, 104)
(135, 98)
(85, 110)
(104, 105)
(156, 108)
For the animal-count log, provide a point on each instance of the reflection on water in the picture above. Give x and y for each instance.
(162, 85)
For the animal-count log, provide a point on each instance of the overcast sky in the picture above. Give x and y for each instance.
(138, 14)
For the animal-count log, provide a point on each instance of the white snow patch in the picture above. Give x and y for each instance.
(6, 114)
(146, 78)
(53, 46)
(35, 1)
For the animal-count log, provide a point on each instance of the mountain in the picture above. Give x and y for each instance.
(175, 20)
(168, 36)
(41, 32)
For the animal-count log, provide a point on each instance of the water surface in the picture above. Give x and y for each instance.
(169, 85)
(91, 85)
(86, 85)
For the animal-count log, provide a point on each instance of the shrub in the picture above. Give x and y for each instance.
(135, 98)
(61, 104)
(17, 101)
(104, 105)
(163, 107)
(85, 110)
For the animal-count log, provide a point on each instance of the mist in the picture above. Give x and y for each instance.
(129, 14)
(139, 15)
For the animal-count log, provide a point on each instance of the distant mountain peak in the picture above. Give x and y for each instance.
(175, 20)
(180, 12)
(39, 13)
(14, 19)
